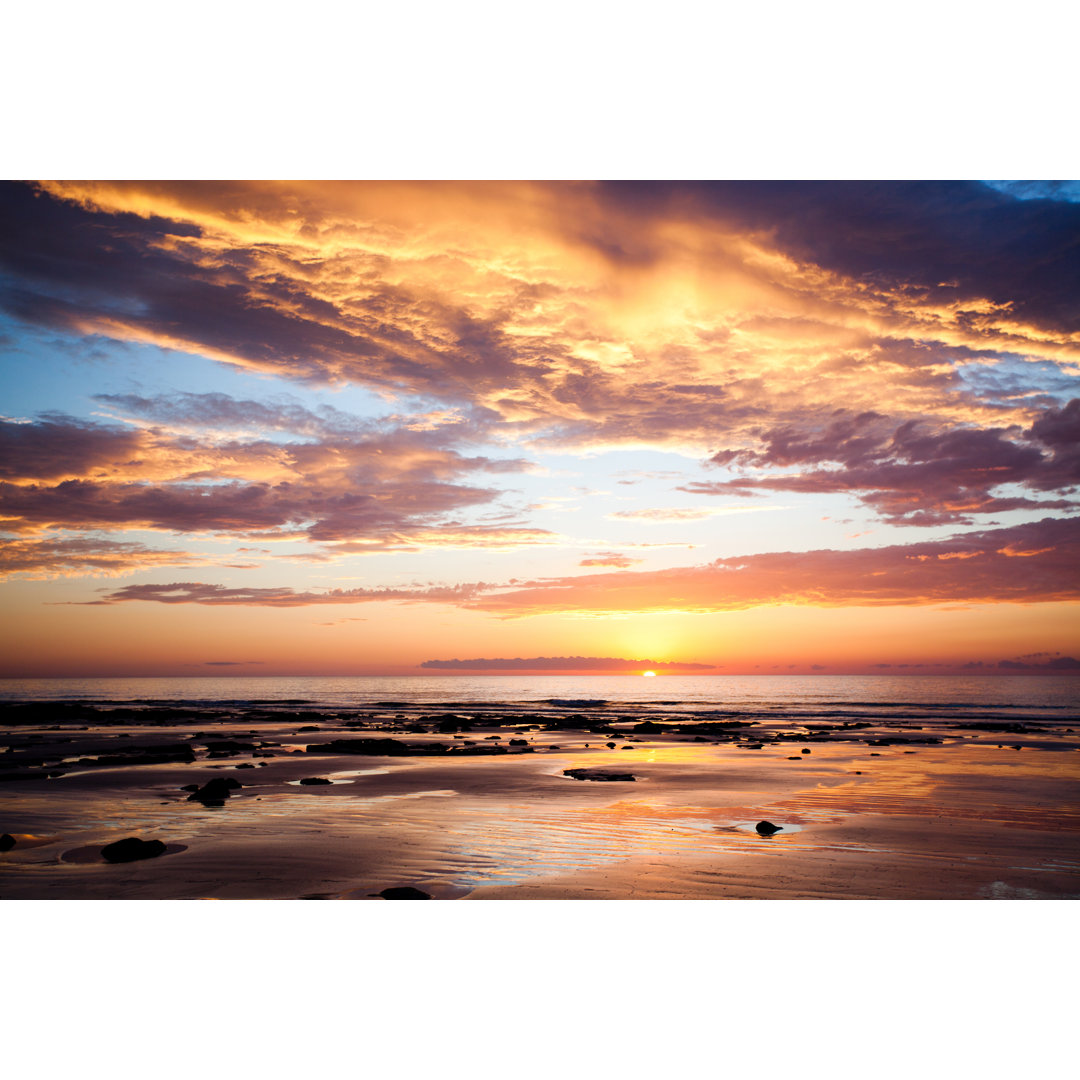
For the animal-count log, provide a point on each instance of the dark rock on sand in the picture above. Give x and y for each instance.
(767, 828)
(448, 723)
(190, 787)
(314, 781)
(519, 742)
(597, 774)
(7, 842)
(132, 849)
(404, 892)
(215, 792)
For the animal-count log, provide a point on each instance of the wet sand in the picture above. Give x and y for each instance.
(941, 809)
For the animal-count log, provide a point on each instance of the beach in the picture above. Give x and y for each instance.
(557, 798)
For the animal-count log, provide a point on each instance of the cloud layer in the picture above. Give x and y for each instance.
(913, 348)
(1025, 564)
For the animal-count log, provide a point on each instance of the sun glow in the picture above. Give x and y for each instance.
(649, 673)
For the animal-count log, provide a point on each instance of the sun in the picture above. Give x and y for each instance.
(650, 673)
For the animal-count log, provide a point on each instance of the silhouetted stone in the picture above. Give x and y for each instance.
(597, 774)
(805, 751)
(215, 792)
(315, 781)
(7, 842)
(377, 748)
(190, 787)
(132, 849)
(519, 742)
(767, 828)
(404, 892)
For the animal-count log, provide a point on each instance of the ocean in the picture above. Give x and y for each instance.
(894, 696)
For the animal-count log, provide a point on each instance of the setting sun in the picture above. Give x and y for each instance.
(648, 673)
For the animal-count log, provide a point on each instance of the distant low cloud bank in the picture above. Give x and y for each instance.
(562, 663)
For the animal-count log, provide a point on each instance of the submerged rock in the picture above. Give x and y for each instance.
(7, 842)
(404, 892)
(132, 849)
(313, 781)
(767, 828)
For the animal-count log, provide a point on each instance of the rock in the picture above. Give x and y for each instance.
(610, 745)
(132, 849)
(767, 828)
(7, 842)
(214, 792)
(519, 742)
(805, 751)
(190, 787)
(314, 781)
(245, 765)
(597, 774)
(229, 746)
(404, 892)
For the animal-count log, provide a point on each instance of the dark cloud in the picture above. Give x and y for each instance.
(245, 509)
(60, 556)
(197, 592)
(378, 487)
(60, 446)
(950, 240)
(915, 476)
(74, 270)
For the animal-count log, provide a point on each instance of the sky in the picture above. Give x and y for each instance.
(262, 428)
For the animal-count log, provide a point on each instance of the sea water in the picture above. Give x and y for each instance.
(1050, 696)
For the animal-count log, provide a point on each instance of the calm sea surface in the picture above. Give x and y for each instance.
(1051, 695)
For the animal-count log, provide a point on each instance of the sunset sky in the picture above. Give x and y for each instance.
(356, 428)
